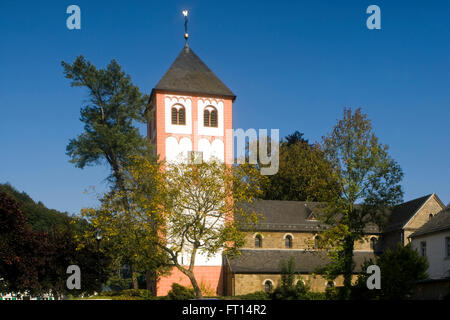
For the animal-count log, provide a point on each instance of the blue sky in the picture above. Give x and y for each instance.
(292, 65)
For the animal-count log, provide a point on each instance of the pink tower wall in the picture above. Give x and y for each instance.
(209, 276)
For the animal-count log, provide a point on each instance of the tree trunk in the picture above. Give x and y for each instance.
(134, 277)
(348, 266)
(150, 279)
(197, 291)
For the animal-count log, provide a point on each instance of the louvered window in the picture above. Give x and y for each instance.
(178, 114)
(214, 118)
(174, 115)
(206, 117)
(210, 117)
(181, 116)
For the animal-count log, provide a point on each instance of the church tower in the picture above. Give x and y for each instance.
(189, 113)
(190, 109)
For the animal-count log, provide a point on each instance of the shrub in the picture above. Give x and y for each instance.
(258, 295)
(140, 293)
(288, 290)
(130, 293)
(401, 268)
(179, 292)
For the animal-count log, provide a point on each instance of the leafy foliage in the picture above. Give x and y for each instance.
(258, 295)
(400, 269)
(110, 136)
(37, 215)
(288, 289)
(179, 292)
(175, 209)
(304, 173)
(114, 103)
(35, 262)
(368, 180)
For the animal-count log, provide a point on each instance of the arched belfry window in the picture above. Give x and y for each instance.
(258, 241)
(288, 241)
(210, 117)
(178, 114)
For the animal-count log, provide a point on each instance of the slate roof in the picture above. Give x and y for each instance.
(189, 74)
(268, 261)
(440, 222)
(287, 216)
(402, 213)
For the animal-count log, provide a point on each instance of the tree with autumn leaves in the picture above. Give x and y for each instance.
(368, 180)
(178, 210)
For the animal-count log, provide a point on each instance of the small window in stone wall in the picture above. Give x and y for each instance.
(268, 286)
(373, 243)
(258, 241)
(288, 241)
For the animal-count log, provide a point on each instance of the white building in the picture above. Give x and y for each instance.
(432, 241)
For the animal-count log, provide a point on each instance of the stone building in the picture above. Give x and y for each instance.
(189, 111)
(290, 229)
(408, 217)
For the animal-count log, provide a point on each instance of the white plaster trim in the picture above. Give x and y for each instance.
(265, 280)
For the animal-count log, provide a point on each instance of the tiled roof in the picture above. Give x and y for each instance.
(189, 74)
(268, 261)
(401, 213)
(277, 215)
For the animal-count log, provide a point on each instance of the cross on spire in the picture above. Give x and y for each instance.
(186, 34)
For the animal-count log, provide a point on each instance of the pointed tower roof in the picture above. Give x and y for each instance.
(189, 74)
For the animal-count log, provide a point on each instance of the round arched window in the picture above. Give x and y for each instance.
(258, 241)
(210, 117)
(178, 114)
(268, 286)
(373, 243)
(288, 241)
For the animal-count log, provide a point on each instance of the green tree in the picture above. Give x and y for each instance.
(110, 136)
(114, 104)
(368, 180)
(37, 214)
(189, 210)
(400, 269)
(36, 262)
(304, 173)
(288, 289)
(201, 201)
